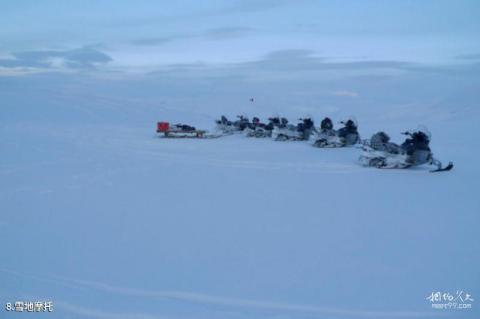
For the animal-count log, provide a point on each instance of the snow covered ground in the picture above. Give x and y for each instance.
(109, 221)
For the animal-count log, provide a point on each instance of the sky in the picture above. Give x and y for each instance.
(147, 36)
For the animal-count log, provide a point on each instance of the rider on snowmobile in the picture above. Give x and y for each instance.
(326, 128)
(224, 124)
(301, 131)
(417, 147)
(223, 120)
(326, 124)
(242, 123)
(380, 141)
(349, 133)
(306, 127)
(259, 129)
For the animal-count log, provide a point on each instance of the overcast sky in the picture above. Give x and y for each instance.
(144, 36)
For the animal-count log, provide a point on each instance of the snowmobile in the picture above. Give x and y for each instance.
(242, 123)
(227, 126)
(280, 122)
(258, 129)
(224, 125)
(328, 137)
(289, 132)
(381, 153)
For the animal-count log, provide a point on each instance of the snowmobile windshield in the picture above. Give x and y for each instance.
(274, 120)
(383, 137)
(422, 129)
(326, 124)
(352, 119)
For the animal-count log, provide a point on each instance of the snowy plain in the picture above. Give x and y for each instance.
(108, 221)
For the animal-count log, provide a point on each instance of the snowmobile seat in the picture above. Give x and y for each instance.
(351, 138)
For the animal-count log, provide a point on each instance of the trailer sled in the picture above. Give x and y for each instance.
(164, 129)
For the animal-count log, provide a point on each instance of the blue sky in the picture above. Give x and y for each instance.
(144, 36)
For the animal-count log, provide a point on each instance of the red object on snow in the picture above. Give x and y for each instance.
(163, 126)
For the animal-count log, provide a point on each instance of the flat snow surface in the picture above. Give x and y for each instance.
(109, 221)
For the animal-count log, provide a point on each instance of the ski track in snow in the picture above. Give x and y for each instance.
(197, 298)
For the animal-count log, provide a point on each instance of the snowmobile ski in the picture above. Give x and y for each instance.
(443, 169)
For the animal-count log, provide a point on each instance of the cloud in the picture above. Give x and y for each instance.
(255, 5)
(20, 62)
(306, 60)
(473, 56)
(227, 32)
(289, 54)
(345, 93)
(210, 34)
(154, 41)
(305, 66)
(82, 58)
(285, 60)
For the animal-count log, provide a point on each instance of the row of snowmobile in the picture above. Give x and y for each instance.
(378, 151)
(280, 129)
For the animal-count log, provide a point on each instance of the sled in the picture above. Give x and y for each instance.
(170, 132)
(184, 134)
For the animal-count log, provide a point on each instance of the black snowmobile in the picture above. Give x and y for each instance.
(329, 138)
(242, 123)
(288, 132)
(326, 132)
(381, 153)
(224, 125)
(227, 126)
(259, 129)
